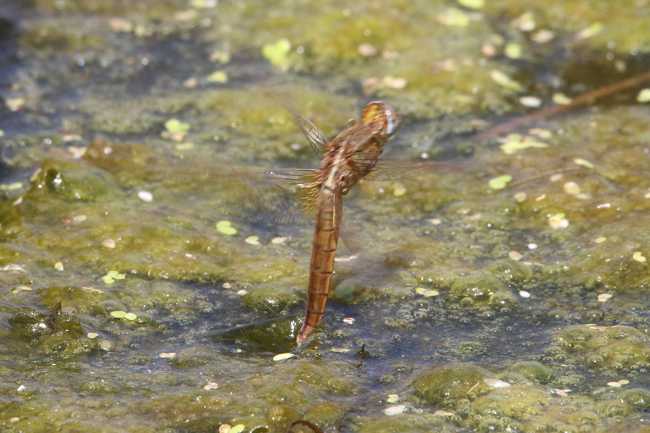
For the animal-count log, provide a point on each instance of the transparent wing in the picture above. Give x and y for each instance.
(314, 135)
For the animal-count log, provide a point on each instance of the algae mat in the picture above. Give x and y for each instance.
(153, 273)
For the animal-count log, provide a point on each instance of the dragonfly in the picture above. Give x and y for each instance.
(350, 157)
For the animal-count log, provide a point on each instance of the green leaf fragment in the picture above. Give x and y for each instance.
(226, 228)
(499, 182)
(644, 96)
(513, 50)
(237, 428)
(583, 162)
(175, 126)
(123, 315)
(11, 186)
(590, 31)
(472, 4)
(111, 276)
(505, 81)
(252, 240)
(217, 77)
(454, 17)
(276, 53)
(514, 143)
(58, 266)
(426, 293)
(185, 146)
(561, 99)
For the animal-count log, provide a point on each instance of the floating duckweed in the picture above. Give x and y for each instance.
(283, 356)
(590, 31)
(472, 4)
(513, 50)
(123, 315)
(15, 104)
(278, 240)
(520, 197)
(21, 289)
(603, 297)
(342, 350)
(619, 383)
(392, 398)
(252, 240)
(237, 428)
(92, 335)
(111, 276)
(500, 182)
(558, 221)
(583, 162)
(167, 355)
(426, 293)
(58, 266)
(11, 186)
(514, 142)
(561, 99)
(643, 96)
(600, 240)
(454, 17)
(203, 4)
(395, 410)
(211, 385)
(572, 188)
(185, 146)
(226, 228)
(399, 190)
(276, 53)
(505, 80)
(175, 126)
(175, 130)
(638, 257)
(217, 77)
(514, 255)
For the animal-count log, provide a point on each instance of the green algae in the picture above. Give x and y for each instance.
(182, 277)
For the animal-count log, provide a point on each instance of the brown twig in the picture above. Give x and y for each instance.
(584, 99)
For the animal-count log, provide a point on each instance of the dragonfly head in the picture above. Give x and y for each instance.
(384, 116)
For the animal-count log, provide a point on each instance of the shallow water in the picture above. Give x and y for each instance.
(130, 129)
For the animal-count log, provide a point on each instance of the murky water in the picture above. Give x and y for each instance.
(503, 292)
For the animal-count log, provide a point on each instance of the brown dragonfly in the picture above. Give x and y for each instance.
(347, 159)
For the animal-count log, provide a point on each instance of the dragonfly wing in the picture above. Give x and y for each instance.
(314, 135)
(396, 170)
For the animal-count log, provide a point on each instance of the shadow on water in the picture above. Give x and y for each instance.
(267, 337)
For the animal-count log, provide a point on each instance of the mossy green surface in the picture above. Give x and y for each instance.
(467, 309)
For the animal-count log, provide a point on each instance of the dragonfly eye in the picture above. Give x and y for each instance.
(387, 117)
